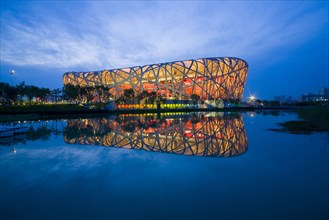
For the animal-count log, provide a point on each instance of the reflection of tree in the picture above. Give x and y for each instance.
(129, 127)
(41, 132)
(71, 132)
(37, 130)
(195, 119)
(95, 127)
(271, 112)
(202, 136)
(195, 98)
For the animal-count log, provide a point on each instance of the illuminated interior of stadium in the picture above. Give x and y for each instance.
(209, 78)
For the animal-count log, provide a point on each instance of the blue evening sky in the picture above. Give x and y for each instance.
(284, 42)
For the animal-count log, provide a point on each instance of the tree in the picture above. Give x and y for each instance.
(56, 93)
(43, 92)
(21, 88)
(145, 93)
(8, 93)
(128, 93)
(143, 97)
(30, 91)
(105, 94)
(71, 91)
(195, 98)
(99, 92)
(152, 97)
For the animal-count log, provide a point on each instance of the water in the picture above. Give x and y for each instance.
(205, 166)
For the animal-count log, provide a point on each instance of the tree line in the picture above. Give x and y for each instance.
(10, 94)
(76, 94)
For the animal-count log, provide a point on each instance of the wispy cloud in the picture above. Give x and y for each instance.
(98, 35)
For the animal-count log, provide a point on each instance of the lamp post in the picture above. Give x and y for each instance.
(252, 98)
(12, 72)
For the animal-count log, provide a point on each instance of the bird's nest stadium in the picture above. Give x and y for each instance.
(209, 78)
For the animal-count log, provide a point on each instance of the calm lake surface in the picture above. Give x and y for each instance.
(192, 166)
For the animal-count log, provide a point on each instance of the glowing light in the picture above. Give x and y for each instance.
(252, 98)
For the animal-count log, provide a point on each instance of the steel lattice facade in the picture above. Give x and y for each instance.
(210, 78)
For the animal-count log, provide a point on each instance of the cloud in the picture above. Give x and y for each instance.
(100, 35)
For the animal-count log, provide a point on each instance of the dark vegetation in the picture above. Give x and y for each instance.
(59, 109)
(11, 94)
(312, 119)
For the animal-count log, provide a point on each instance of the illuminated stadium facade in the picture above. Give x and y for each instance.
(209, 78)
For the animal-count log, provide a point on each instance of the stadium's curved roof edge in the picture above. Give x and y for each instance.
(159, 64)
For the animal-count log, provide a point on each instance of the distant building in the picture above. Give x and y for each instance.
(323, 96)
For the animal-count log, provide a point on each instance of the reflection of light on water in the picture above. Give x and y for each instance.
(251, 115)
(201, 135)
(214, 114)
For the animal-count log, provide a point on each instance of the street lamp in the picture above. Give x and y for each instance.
(252, 98)
(12, 72)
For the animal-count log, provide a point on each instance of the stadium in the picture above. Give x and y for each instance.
(209, 78)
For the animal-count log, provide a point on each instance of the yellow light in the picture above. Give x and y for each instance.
(252, 98)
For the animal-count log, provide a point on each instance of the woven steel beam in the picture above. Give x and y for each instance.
(210, 78)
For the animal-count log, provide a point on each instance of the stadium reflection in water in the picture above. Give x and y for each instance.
(194, 135)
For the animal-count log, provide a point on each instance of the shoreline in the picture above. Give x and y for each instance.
(310, 119)
(18, 113)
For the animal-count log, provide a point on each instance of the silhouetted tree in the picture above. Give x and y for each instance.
(195, 98)
(128, 93)
(71, 92)
(55, 93)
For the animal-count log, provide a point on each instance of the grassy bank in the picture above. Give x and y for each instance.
(311, 119)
